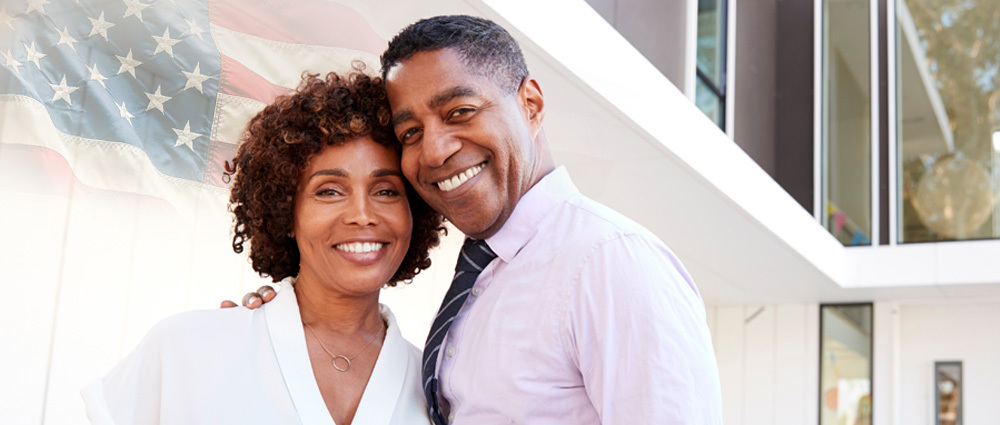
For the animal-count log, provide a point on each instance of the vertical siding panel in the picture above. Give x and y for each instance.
(730, 355)
(30, 262)
(811, 379)
(790, 364)
(759, 374)
(92, 299)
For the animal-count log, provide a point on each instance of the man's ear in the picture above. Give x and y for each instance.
(533, 102)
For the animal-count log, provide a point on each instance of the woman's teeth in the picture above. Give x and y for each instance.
(360, 247)
(462, 177)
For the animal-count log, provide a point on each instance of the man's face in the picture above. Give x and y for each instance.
(469, 149)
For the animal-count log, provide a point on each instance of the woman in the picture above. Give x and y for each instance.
(319, 196)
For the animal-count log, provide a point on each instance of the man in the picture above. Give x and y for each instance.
(583, 317)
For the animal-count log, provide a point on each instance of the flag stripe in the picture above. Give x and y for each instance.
(316, 22)
(238, 80)
(98, 163)
(232, 115)
(270, 59)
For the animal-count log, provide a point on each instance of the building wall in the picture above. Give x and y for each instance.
(767, 358)
(754, 91)
(658, 29)
(945, 332)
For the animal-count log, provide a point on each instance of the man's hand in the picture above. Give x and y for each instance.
(253, 300)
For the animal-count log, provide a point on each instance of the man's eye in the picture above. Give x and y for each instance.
(408, 135)
(387, 192)
(460, 112)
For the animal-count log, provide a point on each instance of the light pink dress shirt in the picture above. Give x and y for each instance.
(584, 318)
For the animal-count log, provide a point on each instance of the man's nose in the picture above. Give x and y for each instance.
(438, 145)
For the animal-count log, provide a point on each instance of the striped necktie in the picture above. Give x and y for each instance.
(472, 260)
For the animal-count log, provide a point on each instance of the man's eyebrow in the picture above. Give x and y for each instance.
(435, 102)
(386, 172)
(337, 172)
(449, 94)
(400, 116)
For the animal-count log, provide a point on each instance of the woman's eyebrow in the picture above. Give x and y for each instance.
(337, 172)
(385, 172)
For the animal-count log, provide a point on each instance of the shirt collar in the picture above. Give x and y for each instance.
(523, 223)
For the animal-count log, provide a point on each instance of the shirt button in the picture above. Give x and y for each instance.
(451, 417)
(450, 351)
(476, 291)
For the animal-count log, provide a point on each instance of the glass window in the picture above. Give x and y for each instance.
(948, 119)
(710, 94)
(845, 364)
(846, 126)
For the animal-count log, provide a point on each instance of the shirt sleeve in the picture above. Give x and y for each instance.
(641, 341)
(131, 392)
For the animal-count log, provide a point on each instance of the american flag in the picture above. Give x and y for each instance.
(150, 97)
(116, 117)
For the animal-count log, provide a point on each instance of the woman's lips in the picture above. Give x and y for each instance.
(361, 253)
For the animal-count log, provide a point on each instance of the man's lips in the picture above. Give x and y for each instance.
(457, 180)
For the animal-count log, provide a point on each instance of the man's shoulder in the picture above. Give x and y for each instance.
(586, 220)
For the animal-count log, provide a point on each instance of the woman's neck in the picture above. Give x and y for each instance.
(325, 309)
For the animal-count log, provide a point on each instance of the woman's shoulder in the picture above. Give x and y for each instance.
(208, 324)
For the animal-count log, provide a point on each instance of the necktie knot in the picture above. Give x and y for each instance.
(475, 255)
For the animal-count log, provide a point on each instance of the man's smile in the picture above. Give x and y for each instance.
(457, 180)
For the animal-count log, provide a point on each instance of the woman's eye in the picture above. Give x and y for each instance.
(388, 192)
(327, 192)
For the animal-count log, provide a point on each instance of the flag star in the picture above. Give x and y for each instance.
(33, 55)
(124, 112)
(7, 19)
(99, 26)
(194, 29)
(128, 64)
(95, 75)
(165, 43)
(134, 7)
(9, 61)
(37, 5)
(65, 38)
(186, 136)
(62, 91)
(156, 100)
(194, 79)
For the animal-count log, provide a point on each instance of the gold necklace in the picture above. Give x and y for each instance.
(339, 356)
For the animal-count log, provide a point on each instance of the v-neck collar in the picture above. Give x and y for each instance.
(284, 324)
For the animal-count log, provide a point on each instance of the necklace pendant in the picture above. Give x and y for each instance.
(341, 365)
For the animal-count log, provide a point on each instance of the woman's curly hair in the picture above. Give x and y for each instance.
(274, 152)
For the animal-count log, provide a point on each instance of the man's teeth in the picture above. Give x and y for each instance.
(360, 247)
(462, 177)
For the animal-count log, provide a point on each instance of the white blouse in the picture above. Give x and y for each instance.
(239, 366)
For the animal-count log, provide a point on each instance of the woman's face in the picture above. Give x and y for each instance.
(352, 220)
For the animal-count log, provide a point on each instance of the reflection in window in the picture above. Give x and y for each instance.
(846, 142)
(948, 393)
(948, 57)
(846, 364)
(710, 88)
